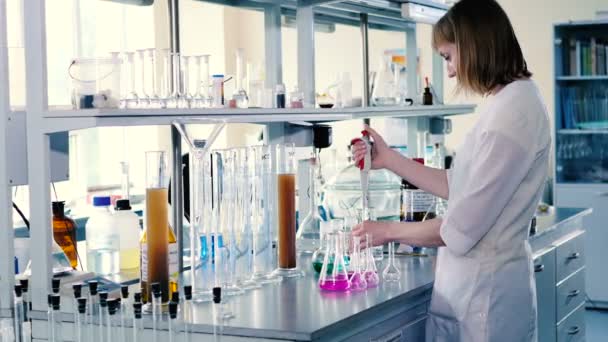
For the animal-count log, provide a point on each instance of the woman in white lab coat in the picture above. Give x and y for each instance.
(484, 281)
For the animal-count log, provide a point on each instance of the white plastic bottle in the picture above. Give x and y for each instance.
(103, 242)
(127, 224)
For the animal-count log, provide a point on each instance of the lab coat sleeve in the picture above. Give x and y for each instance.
(498, 167)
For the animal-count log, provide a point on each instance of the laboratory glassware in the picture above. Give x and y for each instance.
(175, 80)
(57, 330)
(27, 324)
(156, 308)
(198, 97)
(201, 219)
(286, 205)
(49, 316)
(18, 313)
(103, 316)
(166, 92)
(296, 98)
(173, 327)
(384, 87)
(334, 276)
(144, 97)
(125, 306)
(138, 327)
(243, 219)
(187, 312)
(93, 308)
(391, 272)
(371, 272)
(185, 88)
(357, 278)
(111, 323)
(64, 233)
(255, 73)
(77, 288)
(155, 252)
(263, 217)
(369, 214)
(80, 322)
(55, 285)
(127, 223)
(103, 240)
(131, 99)
(240, 94)
(155, 100)
(222, 309)
(319, 255)
(308, 236)
(226, 175)
(279, 93)
(218, 91)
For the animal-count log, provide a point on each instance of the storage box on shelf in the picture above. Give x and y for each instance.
(581, 139)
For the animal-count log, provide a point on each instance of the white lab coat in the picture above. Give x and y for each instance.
(484, 281)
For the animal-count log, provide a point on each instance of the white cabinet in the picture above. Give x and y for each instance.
(596, 237)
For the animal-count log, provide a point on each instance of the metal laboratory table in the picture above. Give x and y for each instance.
(296, 310)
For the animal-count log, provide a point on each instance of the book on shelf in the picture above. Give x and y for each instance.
(584, 57)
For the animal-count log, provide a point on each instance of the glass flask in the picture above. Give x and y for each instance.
(357, 277)
(371, 272)
(369, 214)
(335, 279)
(286, 205)
(226, 176)
(263, 219)
(201, 207)
(155, 252)
(144, 97)
(308, 236)
(64, 233)
(385, 89)
(155, 101)
(319, 255)
(391, 272)
(131, 99)
(240, 94)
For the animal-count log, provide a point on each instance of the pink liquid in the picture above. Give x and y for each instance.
(358, 282)
(339, 283)
(372, 279)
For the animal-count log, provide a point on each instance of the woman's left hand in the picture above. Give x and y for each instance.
(380, 232)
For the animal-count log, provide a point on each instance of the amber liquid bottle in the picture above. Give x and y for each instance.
(64, 233)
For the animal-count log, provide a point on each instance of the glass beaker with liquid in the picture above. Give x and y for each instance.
(336, 278)
(286, 198)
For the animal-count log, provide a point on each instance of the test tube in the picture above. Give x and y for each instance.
(80, 320)
(49, 316)
(124, 311)
(187, 312)
(77, 288)
(18, 322)
(137, 322)
(57, 334)
(93, 309)
(103, 315)
(112, 333)
(27, 327)
(55, 285)
(156, 309)
(173, 329)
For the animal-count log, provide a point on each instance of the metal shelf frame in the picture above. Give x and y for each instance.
(42, 120)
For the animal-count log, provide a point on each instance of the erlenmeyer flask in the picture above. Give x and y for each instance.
(309, 232)
(318, 257)
(337, 278)
(357, 278)
(201, 216)
(391, 272)
(371, 272)
(384, 85)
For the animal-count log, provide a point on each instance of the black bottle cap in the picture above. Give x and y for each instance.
(137, 297)
(137, 314)
(82, 301)
(49, 299)
(93, 287)
(103, 298)
(82, 309)
(56, 302)
(112, 306)
(77, 290)
(55, 284)
(24, 284)
(155, 287)
(175, 296)
(173, 309)
(58, 208)
(321, 136)
(18, 290)
(137, 306)
(123, 204)
(217, 295)
(124, 291)
(188, 292)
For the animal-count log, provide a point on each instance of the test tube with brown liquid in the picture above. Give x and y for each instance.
(286, 200)
(155, 253)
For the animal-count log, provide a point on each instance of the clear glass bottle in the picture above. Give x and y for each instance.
(64, 233)
(127, 223)
(391, 272)
(103, 240)
(384, 90)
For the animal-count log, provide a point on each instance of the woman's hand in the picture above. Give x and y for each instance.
(381, 153)
(381, 232)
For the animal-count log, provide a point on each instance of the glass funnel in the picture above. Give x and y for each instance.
(263, 219)
(391, 272)
(384, 87)
(333, 276)
(243, 221)
(308, 237)
(371, 272)
(357, 277)
(286, 205)
(201, 222)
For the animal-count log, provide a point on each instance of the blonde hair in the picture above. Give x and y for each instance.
(489, 54)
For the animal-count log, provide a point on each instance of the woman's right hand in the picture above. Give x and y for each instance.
(381, 153)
